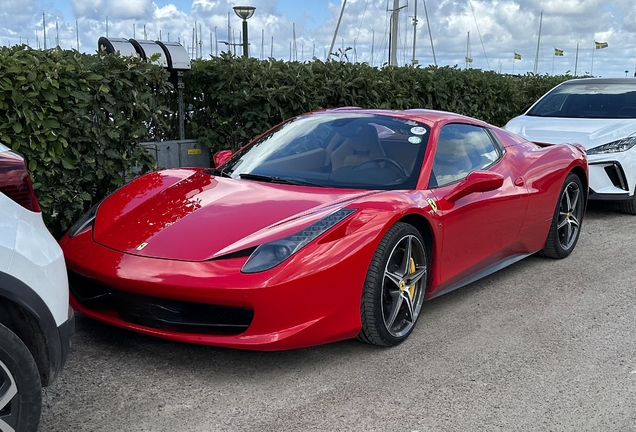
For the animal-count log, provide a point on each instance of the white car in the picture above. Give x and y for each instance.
(36, 321)
(600, 114)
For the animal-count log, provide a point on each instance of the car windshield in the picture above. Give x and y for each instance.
(588, 100)
(340, 150)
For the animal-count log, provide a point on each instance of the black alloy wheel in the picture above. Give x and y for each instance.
(566, 223)
(20, 385)
(394, 287)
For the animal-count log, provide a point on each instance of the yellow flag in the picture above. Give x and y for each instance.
(600, 45)
(469, 60)
(558, 52)
(517, 56)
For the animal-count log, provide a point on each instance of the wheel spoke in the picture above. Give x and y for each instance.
(7, 392)
(574, 201)
(574, 221)
(409, 304)
(414, 278)
(4, 427)
(567, 200)
(568, 234)
(396, 279)
(562, 223)
(406, 260)
(395, 308)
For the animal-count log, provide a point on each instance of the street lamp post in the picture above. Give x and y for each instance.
(245, 13)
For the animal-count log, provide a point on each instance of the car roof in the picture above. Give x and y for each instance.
(427, 116)
(627, 80)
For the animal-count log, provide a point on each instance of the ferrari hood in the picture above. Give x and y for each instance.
(588, 132)
(201, 216)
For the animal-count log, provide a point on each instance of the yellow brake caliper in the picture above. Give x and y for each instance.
(411, 271)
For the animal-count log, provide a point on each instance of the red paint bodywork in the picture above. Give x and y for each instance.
(191, 220)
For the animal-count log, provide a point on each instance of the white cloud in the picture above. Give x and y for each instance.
(506, 27)
(89, 8)
(130, 9)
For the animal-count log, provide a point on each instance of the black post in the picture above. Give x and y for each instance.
(180, 87)
(245, 53)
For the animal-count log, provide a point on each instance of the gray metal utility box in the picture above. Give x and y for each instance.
(183, 153)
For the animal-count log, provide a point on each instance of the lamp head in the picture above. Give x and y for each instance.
(244, 12)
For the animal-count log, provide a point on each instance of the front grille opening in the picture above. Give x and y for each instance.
(160, 313)
(616, 176)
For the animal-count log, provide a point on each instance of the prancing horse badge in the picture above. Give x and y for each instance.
(430, 202)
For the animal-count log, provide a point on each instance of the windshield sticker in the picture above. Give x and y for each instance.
(418, 130)
(415, 140)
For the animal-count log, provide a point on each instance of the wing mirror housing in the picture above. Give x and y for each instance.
(476, 181)
(221, 157)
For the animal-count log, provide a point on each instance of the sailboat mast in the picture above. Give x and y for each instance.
(413, 61)
(536, 57)
(372, 46)
(294, 38)
(395, 14)
(335, 33)
(467, 49)
(429, 32)
(576, 59)
(592, 67)
(44, 29)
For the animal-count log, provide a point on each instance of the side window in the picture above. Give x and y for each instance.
(461, 149)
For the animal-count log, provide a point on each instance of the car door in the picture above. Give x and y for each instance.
(479, 229)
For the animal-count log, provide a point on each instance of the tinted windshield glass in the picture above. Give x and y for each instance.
(342, 150)
(613, 100)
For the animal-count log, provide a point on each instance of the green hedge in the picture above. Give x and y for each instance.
(233, 99)
(78, 120)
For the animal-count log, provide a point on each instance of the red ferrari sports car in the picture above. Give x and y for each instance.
(333, 225)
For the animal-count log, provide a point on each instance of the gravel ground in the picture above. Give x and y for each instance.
(541, 345)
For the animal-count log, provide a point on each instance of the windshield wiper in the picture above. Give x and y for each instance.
(217, 172)
(278, 180)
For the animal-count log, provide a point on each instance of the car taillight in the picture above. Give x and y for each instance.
(15, 182)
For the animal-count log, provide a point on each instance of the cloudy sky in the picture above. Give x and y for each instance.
(498, 29)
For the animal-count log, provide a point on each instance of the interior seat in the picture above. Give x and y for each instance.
(358, 149)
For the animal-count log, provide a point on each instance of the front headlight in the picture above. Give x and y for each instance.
(615, 146)
(86, 220)
(269, 255)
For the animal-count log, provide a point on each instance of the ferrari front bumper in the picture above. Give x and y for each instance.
(297, 304)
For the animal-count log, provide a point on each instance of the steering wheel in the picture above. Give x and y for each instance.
(390, 162)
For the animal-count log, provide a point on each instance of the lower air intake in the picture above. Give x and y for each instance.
(160, 313)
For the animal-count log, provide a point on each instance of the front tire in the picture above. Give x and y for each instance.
(566, 223)
(629, 207)
(394, 287)
(20, 385)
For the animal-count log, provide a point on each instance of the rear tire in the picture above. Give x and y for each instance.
(566, 223)
(20, 385)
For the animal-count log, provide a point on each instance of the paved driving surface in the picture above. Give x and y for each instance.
(542, 345)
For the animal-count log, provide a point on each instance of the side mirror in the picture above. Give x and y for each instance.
(221, 157)
(476, 181)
